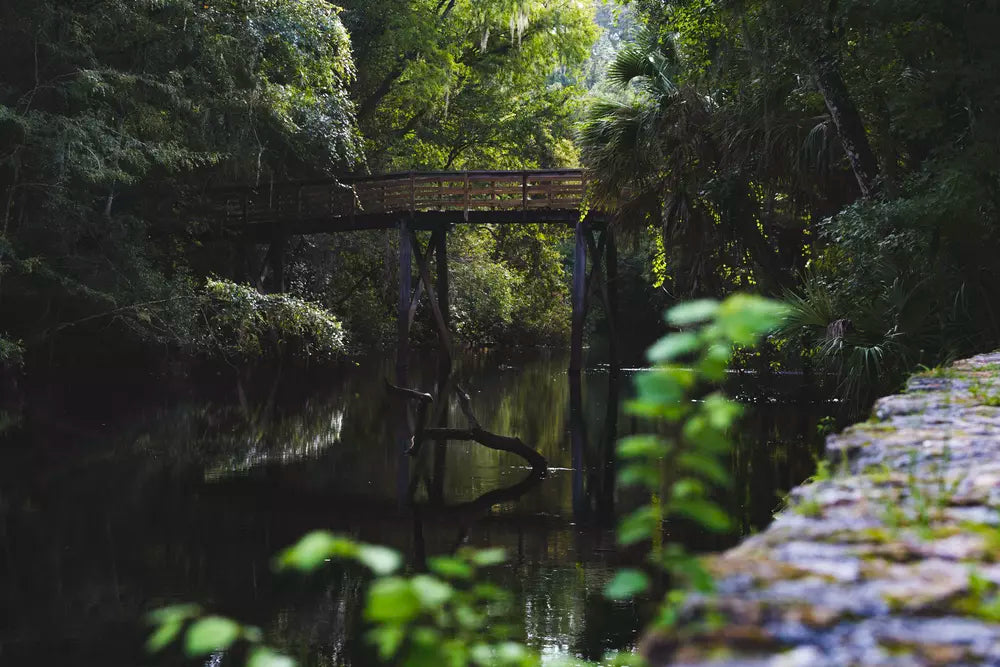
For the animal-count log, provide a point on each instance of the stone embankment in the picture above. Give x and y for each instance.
(890, 556)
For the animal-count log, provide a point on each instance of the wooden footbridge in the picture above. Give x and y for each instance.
(435, 202)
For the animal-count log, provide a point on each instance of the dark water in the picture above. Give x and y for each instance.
(113, 503)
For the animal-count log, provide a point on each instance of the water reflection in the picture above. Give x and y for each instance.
(102, 520)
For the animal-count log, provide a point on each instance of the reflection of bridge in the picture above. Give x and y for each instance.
(430, 201)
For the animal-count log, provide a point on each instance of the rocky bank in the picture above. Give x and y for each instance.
(889, 556)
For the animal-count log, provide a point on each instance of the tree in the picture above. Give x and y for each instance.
(111, 113)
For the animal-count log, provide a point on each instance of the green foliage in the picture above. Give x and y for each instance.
(442, 618)
(240, 323)
(679, 471)
(113, 116)
(737, 128)
(205, 634)
(486, 84)
(11, 353)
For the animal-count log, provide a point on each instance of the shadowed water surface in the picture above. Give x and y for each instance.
(112, 504)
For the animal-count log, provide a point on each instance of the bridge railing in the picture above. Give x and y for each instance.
(404, 193)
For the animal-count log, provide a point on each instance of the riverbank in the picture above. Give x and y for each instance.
(888, 557)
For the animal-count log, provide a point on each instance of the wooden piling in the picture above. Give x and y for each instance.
(579, 296)
(611, 264)
(402, 315)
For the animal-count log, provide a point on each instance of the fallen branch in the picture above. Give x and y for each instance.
(412, 394)
(493, 441)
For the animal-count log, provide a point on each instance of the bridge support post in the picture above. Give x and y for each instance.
(440, 240)
(579, 297)
(276, 259)
(611, 264)
(403, 312)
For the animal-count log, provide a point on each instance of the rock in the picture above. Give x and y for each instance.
(878, 570)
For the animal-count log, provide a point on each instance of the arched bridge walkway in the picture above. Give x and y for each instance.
(430, 201)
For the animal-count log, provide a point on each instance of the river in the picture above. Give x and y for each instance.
(119, 497)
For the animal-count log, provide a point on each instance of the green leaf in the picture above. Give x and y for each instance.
(705, 465)
(692, 312)
(721, 411)
(387, 639)
(166, 633)
(644, 446)
(432, 592)
(637, 526)
(315, 549)
(380, 560)
(392, 600)
(468, 618)
(743, 318)
(714, 363)
(210, 634)
(450, 568)
(673, 346)
(177, 612)
(626, 585)
(261, 656)
(706, 513)
(512, 653)
(639, 474)
(489, 557)
(687, 488)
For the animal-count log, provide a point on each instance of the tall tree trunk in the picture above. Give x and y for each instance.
(850, 127)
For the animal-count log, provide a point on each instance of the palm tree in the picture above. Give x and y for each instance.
(656, 152)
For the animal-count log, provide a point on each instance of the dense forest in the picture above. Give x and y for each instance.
(840, 155)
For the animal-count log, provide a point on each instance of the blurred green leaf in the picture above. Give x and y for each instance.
(387, 639)
(432, 592)
(210, 634)
(314, 549)
(489, 557)
(261, 656)
(450, 568)
(648, 446)
(392, 600)
(627, 584)
(177, 612)
(692, 312)
(637, 526)
(704, 465)
(706, 513)
(380, 560)
(673, 346)
(640, 474)
(164, 634)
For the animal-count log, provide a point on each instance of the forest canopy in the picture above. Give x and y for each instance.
(841, 155)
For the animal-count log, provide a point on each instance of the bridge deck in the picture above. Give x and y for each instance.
(425, 199)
